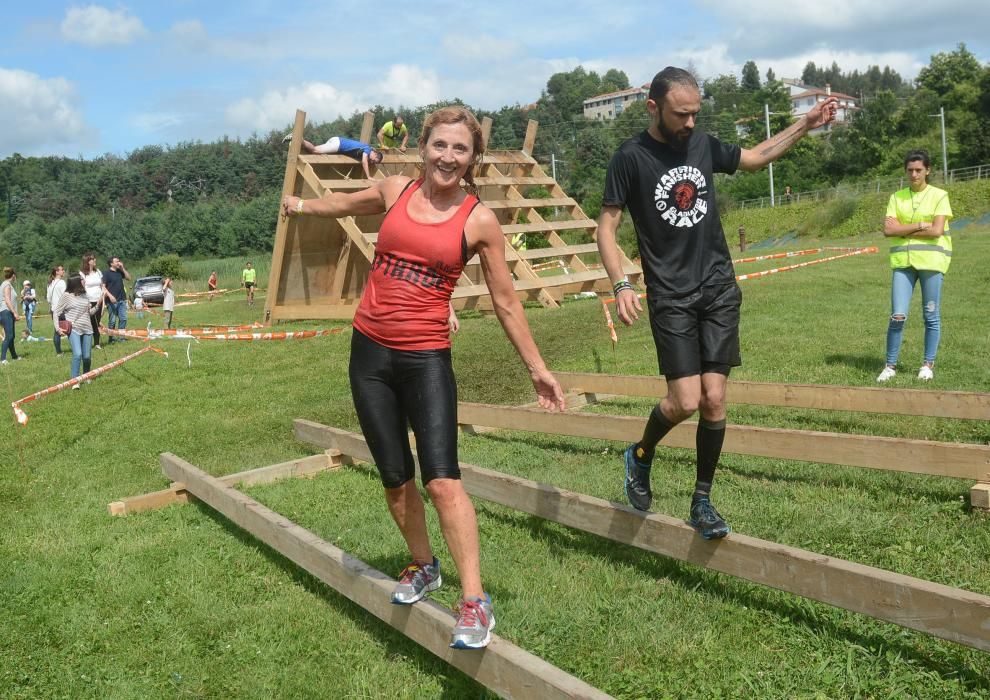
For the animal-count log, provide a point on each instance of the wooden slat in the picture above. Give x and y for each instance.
(894, 454)
(522, 181)
(577, 278)
(176, 493)
(910, 402)
(503, 667)
(531, 127)
(942, 611)
(979, 496)
(395, 157)
(537, 227)
(558, 252)
(529, 203)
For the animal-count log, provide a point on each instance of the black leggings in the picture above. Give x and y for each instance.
(393, 389)
(96, 316)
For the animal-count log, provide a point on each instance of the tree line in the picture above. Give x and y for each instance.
(220, 199)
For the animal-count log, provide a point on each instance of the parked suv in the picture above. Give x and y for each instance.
(150, 289)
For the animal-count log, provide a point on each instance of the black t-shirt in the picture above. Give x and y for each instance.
(114, 281)
(671, 197)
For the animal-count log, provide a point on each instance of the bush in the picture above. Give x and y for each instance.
(167, 266)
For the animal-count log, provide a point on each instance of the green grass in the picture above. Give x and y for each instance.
(180, 603)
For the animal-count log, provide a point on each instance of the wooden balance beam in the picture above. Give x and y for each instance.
(958, 460)
(936, 609)
(502, 667)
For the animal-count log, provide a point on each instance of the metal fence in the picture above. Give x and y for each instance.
(891, 184)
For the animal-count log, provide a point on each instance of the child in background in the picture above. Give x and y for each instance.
(169, 304)
(26, 337)
(30, 301)
(139, 306)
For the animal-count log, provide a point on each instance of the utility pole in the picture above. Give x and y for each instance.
(945, 156)
(553, 165)
(766, 119)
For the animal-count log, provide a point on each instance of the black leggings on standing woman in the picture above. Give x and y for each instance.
(96, 315)
(7, 321)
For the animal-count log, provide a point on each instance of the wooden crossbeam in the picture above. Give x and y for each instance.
(558, 252)
(962, 461)
(541, 226)
(503, 667)
(911, 402)
(177, 493)
(936, 609)
(529, 203)
(577, 278)
(395, 157)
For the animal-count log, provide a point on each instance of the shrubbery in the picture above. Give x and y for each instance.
(169, 265)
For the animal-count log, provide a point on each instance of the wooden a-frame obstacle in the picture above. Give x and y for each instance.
(319, 266)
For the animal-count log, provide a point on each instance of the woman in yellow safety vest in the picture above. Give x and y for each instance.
(917, 224)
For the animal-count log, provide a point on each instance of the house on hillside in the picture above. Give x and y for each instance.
(611, 104)
(803, 98)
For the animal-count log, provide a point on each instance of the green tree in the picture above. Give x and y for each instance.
(947, 70)
(750, 77)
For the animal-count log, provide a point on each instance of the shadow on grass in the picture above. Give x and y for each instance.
(456, 684)
(949, 665)
(871, 364)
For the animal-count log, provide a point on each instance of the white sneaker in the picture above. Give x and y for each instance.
(75, 386)
(888, 373)
(925, 373)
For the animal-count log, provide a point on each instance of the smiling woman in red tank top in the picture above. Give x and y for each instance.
(400, 369)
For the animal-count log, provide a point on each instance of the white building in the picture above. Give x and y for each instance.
(804, 97)
(611, 104)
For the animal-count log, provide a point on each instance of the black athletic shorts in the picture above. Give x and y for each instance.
(396, 389)
(698, 332)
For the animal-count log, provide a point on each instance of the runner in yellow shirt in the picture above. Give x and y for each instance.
(248, 275)
(394, 134)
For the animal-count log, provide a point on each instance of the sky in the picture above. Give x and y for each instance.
(83, 80)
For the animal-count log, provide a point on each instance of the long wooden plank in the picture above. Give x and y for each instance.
(911, 402)
(894, 454)
(529, 203)
(542, 226)
(524, 285)
(177, 493)
(936, 609)
(521, 181)
(495, 157)
(503, 667)
(558, 252)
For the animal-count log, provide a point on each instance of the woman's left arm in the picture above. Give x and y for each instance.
(489, 243)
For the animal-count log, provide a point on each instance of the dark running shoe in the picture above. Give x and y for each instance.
(475, 623)
(415, 581)
(637, 480)
(706, 520)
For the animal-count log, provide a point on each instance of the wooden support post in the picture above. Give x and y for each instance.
(486, 131)
(979, 496)
(963, 461)
(177, 493)
(531, 126)
(941, 611)
(367, 127)
(503, 667)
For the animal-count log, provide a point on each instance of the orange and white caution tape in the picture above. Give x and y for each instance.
(775, 256)
(271, 335)
(764, 273)
(143, 333)
(22, 417)
(206, 293)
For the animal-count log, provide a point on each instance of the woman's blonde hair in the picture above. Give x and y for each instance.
(458, 115)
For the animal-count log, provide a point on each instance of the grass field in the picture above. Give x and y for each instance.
(180, 603)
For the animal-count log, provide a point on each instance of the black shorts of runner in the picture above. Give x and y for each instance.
(249, 284)
(397, 389)
(698, 332)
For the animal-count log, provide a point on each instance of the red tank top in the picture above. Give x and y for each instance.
(416, 265)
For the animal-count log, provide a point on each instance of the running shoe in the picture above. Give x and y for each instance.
(887, 374)
(415, 581)
(637, 480)
(706, 520)
(474, 625)
(925, 373)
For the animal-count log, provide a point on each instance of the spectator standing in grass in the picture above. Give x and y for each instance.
(8, 314)
(93, 282)
(139, 306)
(116, 295)
(248, 277)
(56, 288)
(400, 366)
(665, 177)
(168, 303)
(29, 302)
(917, 224)
(75, 307)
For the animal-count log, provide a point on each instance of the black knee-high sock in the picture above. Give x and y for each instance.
(708, 440)
(656, 427)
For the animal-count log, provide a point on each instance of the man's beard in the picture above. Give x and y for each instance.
(676, 140)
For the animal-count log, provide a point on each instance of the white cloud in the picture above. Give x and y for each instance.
(97, 26)
(39, 115)
(409, 85)
(277, 108)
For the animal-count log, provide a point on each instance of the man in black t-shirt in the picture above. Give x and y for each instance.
(116, 297)
(665, 178)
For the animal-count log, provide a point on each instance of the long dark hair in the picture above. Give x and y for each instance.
(74, 285)
(458, 115)
(54, 273)
(84, 264)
